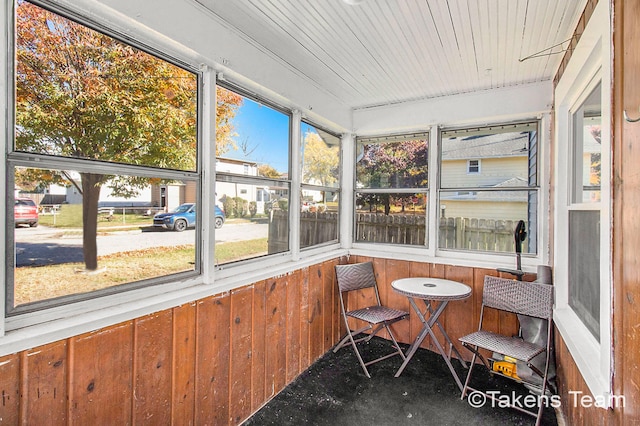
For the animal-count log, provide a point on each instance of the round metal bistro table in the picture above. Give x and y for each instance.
(432, 291)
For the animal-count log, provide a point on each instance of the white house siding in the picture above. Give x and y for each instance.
(493, 171)
(229, 189)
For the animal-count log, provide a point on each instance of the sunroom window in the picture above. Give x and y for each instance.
(100, 127)
(253, 183)
(479, 211)
(584, 212)
(583, 209)
(320, 186)
(392, 189)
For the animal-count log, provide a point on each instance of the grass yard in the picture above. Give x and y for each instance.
(33, 284)
(229, 252)
(45, 282)
(70, 216)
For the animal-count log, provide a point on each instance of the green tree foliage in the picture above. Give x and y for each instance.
(241, 207)
(229, 205)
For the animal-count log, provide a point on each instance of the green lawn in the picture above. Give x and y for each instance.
(70, 216)
(44, 282)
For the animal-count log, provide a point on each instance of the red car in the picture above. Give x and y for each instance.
(25, 212)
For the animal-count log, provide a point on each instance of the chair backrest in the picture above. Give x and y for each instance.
(355, 276)
(532, 299)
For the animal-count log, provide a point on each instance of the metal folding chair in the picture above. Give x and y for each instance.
(523, 298)
(353, 278)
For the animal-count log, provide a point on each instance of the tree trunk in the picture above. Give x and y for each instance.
(91, 184)
(387, 204)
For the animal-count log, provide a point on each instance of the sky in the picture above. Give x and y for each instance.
(264, 133)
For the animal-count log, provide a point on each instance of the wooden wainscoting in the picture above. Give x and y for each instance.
(214, 361)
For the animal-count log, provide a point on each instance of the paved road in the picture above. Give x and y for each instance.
(42, 245)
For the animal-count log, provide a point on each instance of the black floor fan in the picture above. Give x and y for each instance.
(519, 235)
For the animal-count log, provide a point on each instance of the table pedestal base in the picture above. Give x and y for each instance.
(428, 329)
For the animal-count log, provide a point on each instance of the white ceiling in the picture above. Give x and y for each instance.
(382, 52)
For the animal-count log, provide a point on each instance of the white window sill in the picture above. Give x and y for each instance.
(33, 329)
(447, 257)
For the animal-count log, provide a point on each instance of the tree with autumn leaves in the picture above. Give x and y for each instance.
(321, 161)
(83, 94)
(391, 165)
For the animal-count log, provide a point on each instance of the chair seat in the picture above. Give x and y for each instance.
(377, 314)
(514, 347)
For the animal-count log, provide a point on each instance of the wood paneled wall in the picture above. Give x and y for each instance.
(214, 361)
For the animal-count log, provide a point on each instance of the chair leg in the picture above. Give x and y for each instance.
(543, 392)
(345, 339)
(466, 382)
(395, 342)
(349, 338)
(355, 349)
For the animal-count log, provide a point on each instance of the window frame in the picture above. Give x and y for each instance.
(15, 158)
(291, 182)
(478, 166)
(434, 254)
(32, 329)
(312, 187)
(536, 243)
(590, 65)
(427, 191)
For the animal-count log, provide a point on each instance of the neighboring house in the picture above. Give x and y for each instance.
(57, 194)
(167, 197)
(260, 194)
(492, 161)
(495, 161)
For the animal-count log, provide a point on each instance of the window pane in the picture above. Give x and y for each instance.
(83, 94)
(54, 251)
(399, 218)
(489, 157)
(257, 220)
(392, 164)
(252, 134)
(473, 166)
(318, 217)
(584, 267)
(320, 157)
(587, 149)
(485, 220)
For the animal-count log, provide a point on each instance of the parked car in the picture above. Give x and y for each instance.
(183, 217)
(25, 212)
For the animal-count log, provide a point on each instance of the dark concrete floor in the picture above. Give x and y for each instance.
(334, 391)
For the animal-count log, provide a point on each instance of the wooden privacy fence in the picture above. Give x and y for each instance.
(455, 232)
(315, 228)
(477, 234)
(394, 229)
(318, 228)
